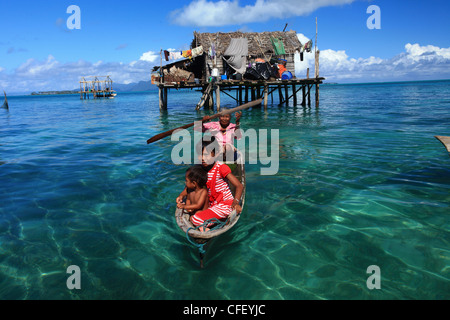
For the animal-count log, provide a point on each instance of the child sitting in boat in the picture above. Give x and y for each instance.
(224, 131)
(195, 192)
(221, 200)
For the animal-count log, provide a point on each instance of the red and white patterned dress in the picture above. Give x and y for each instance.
(220, 196)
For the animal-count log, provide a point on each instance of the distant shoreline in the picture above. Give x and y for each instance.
(49, 93)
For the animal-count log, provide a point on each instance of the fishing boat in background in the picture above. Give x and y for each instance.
(106, 94)
(202, 239)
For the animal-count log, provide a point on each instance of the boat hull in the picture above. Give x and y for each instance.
(201, 239)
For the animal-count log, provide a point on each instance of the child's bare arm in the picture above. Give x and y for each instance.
(199, 202)
(238, 194)
(182, 195)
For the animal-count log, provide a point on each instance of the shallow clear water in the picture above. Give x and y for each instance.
(362, 181)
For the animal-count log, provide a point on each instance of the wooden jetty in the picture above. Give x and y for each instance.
(97, 86)
(445, 141)
(243, 66)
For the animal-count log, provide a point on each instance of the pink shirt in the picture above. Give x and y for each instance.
(230, 134)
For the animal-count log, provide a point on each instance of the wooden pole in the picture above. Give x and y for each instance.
(218, 98)
(309, 95)
(317, 54)
(295, 94)
(266, 96)
(286, 92)
(280, 95)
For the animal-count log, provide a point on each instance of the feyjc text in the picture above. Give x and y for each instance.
(234, 309)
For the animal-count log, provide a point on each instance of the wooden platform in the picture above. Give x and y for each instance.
(246, 90)
(445, 141)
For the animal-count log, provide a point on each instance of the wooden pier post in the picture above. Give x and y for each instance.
(309, 95)
(317, 53)
(294, 94)
(266, 96)
(303, 95)
(286, 92)
(280, 95)
(162, 98)
(218, 98)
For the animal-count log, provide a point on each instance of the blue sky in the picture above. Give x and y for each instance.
(123, 38)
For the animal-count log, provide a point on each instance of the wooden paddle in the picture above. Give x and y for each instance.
(168, 133)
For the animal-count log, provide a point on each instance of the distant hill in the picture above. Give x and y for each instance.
(118, 87)
(134, 87)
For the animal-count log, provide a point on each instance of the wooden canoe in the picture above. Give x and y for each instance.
(201, 239)
(445, 141)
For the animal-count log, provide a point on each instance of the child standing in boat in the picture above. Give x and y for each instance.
(195, 191)
(221, 200)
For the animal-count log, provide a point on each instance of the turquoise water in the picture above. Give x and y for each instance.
(362, 181)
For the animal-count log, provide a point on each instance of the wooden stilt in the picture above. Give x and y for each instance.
(286, 92)
(160, 95)
(165, 98)
(210, 101)
(303, 95)
(309, 95)
(218, 98)
(266, 96)
(294, 94)
(317, 95)
(280, 95)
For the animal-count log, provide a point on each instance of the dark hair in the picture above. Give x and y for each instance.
(198, 175)
(210, 142)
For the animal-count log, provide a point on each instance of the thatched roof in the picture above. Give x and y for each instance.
(258, 43)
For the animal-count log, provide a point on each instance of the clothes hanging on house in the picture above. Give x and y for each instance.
(175, 55)
(197, 51)
(166, 55)
(236, 54)
(212, 51)
(307, 47)
(278, 46)
(187, 54)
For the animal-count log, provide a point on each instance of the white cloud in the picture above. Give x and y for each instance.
(415, 63)
(50, 74)
(150, 56)
(204, 13)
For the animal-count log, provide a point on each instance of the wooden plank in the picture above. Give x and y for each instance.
(445, 141)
